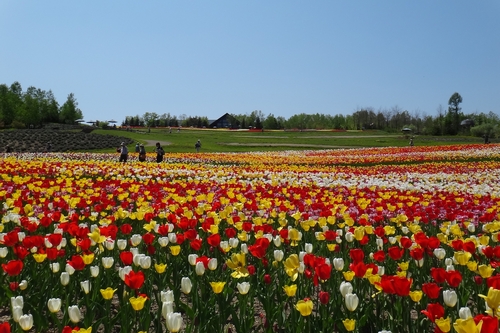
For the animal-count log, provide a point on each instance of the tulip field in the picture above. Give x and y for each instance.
(354, 240)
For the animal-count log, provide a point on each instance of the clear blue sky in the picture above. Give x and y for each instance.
(283, 57)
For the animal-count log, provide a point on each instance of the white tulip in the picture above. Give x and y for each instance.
(308, 247)
(450, 298)
(166, 308)
(163, 241)
(439, 253)
(55, 267)
(121, 243)
(233, 242)
(69, 269)
(17, 301)
(351, 301)
(464, 313)
(75, 315)
(122, 271)
(174, 322)
(199, 268)
(135, 239)
(244, 248)
(85, 285)
(345, 288)
(212, 264)
(172, 238)
(94, 271)
(145, 262)
(167, 296)
(278, 255)
(3, 252)
(107, 262)
(277, 241)
(23, 285)
(54, 304)
(243, 287)
(338, 263)
(17, 312)
(186, 285)
(192, 259)
(64, 278)
(109, 244)
(26, 322)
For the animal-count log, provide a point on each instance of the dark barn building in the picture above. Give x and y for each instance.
(226, 121)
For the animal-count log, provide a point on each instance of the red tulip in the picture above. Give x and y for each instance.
(490, 324)
(13, 267)
(395, 252)
(5, 327)
(434, 311)
(454, 278)
(324, 297)
(134, 280)
(127, 258)
(438, 274)
(431, 290)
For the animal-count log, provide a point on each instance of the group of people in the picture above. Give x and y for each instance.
(141, 151)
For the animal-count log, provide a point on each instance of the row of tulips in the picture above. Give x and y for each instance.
(225, 243)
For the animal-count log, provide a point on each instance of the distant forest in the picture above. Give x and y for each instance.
(450, 121)
(35, 107)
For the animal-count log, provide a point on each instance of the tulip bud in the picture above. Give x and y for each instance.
(94, 271)
(172, 238)
(23, 285)
(199, 268)
(145, 262)
(109, 244)
(55, 267)
(212, 264)
(186, 285)
(439, 253)
(75, 315)
(464, 313)
(64, 278)
(107, 262)
(278, 255)
(450, 298)
(69, 269)
(122, 271)
(338, 263)
(349, 237)
(85, 285)
(17, 312)
(167, 296)
(345, 288)
(135, 239)
(233, 242)
(243, 287)
(163, 241)
(26, 322)
(167, 308)
(351, 301)
(192, 259)
(121, 243)
(54, 304)
(174, 322)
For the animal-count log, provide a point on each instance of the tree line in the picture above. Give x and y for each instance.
(34, 107)
(450, 121)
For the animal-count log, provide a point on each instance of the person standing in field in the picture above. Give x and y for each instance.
(197, 145)
(159, 153)
(142, 153)
(123, 152)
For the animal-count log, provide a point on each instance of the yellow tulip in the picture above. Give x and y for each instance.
(107, 293)
(138, 302)
(291, 266)
(493, 298)
(444, 324)
(349, 275)
(485, 271)
(349, 324)
(217, 287)
(237, 263)
(467, 326)
(290, 290)
(88, 258)
(39, 257)
(305, 307)
(175, 250)
(160, 268)
(462, 257)
(416, 295)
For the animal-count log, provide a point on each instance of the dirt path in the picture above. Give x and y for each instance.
(153, 143)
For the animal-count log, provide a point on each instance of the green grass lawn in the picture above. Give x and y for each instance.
(221, 140)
